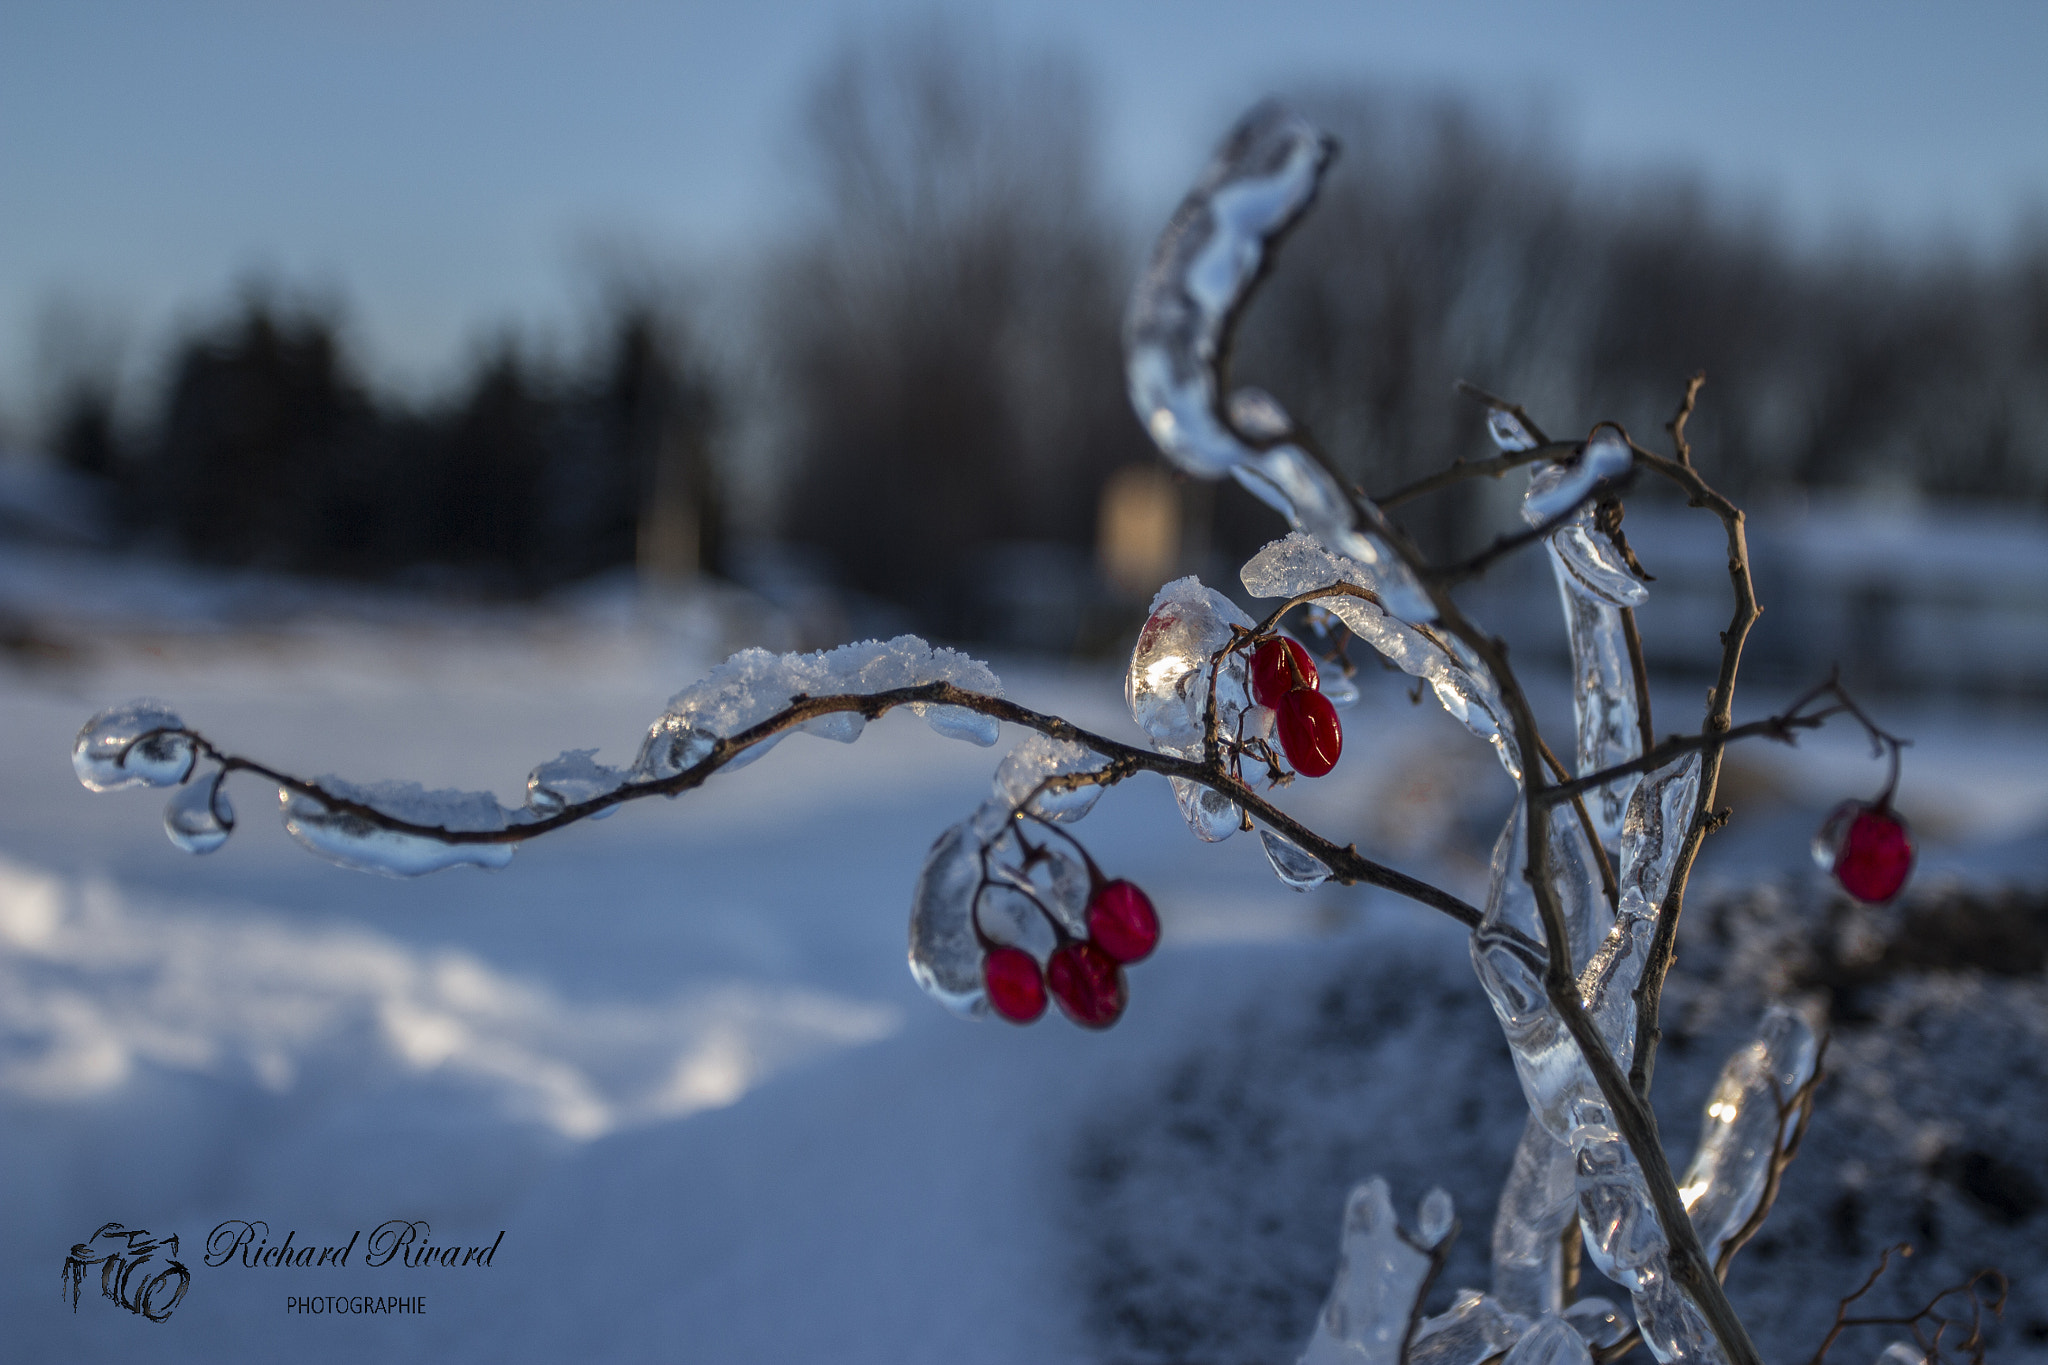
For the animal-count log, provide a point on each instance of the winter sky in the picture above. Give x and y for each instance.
(442, 166)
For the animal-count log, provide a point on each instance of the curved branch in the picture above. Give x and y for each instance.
(1346, 864)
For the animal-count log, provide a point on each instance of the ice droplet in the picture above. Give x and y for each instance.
(1292, 863)
(1211, 815)
(1435, 1218)
(1380, 1274)
(1550, 1342)
(1473, 1329)
(571, 780)
(1598, 1321)
(945, 955)
(1340, 688)
(344, 837)
(1606, 456)
(1037, 757)
(199, 817)
(1167, 687)
(1508, 431)
(119, 748)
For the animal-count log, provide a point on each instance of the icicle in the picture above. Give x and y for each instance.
(1537, 1203)
(1296, 564)
(352, 841)
(1259, 183)
(1740, 1134)
(570, 780)
(199, 818)
(117, 748)
(1594, 583)
(1292, 864)
(1381, 1274)
(1038, 757)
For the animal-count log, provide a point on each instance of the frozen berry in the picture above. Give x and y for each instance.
(1310, 734)
(1867, 848)
(1271, 677)
(1122, 922)
(1087, 983)
(1015, 988)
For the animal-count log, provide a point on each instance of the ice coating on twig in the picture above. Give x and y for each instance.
(1552, 1341)
(344, 837)
(1594, 583)
(199, 817)
(571, 779)
(1381, 1276)
(1474, 1329)
(1537, 1202)
(1546, 1057)
(1168, 687)
(945, 955)
(1260, 181)
(1606, 456)
(1751, 1117)
(120, 748)
(1176, 332)
(1296, 563)
(1598, 1321)
(1037, 757)
(755, 684)
(1659, 815)
(1292, 863)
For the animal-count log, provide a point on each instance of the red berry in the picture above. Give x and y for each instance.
(1869, 850)
(1122, 922)
(1271, 678)
(1087, 983)
(1014, 986)
(1310, 734)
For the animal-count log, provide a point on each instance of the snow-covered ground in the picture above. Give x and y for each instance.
(675, 1055)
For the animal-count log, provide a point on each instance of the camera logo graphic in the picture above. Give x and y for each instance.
(139, 1272)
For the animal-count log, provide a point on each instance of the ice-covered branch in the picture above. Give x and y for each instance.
(146, 745)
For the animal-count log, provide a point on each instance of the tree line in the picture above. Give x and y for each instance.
(938, 341)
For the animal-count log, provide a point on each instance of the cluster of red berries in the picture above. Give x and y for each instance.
(1868, 849)
(1086, 975)
(1284, 681)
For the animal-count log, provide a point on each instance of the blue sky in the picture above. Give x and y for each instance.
(442, 166)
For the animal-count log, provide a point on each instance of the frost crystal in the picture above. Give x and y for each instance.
(1296, 564)
(117, 748)
(1259, 182)
(754, 684)
(1380, 1276)
(343, 837)
(199, 818)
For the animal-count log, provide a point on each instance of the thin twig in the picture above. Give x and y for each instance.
(1345, 863)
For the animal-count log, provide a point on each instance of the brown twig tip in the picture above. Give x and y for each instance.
(1676, 426)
